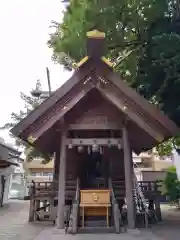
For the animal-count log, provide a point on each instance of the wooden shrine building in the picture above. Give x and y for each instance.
(93, 123)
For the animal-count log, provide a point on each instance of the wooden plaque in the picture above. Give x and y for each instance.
(95, 197)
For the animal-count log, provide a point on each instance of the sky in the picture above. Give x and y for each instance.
(24, 54)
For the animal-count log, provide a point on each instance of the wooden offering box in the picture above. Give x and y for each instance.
(95, 202)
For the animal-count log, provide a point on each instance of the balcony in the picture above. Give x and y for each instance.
(139, 158)
(37, 164)
(38, 176)
(31, 178)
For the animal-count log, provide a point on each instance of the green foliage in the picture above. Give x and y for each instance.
(165, 148)
(30, 103)
(172, 185)
(125, 23)
(32, 153)
(143, 39)
(159, 73)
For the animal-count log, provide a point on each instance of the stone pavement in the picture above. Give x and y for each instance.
(14, 226)
(14, 222)
(55, 234)
(169, 228)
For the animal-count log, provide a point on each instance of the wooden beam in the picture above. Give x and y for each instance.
(90, 141)
(4, 166)
(58, 115)
(101, 126)
(131, 114)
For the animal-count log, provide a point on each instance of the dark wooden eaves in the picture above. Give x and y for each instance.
(57, 95)
(151, 111)
(156, 118)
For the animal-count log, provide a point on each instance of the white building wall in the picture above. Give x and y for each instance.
(7, 172)
(7, 188)
(0, 185)
(18, 183)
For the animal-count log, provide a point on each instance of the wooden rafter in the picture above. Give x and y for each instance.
(61, 92)
(122, 106)
(56, 115)
(152, 112)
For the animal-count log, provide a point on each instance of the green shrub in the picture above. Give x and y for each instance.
(172, 185)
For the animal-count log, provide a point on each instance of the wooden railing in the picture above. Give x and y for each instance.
(40, 189)
(41, 200)
(115, 208)
(51, 188)
(42, 196)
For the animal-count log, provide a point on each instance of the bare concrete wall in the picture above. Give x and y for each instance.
(153, 175)
(161, 165)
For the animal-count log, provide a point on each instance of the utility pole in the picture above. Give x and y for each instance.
(48, 79)
(40, 93)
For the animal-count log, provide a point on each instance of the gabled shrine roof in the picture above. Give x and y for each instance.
(99, 67)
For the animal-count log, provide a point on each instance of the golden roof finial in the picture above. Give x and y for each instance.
(95, 34)
(31, 139)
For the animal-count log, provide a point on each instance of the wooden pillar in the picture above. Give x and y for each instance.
(56, 165)
(158, 209)
(1, 191)
(31, 210)
(62, 180)
(128, 167)
(32, 202)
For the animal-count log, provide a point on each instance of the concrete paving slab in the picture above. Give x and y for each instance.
(52, 234)
(14, 222)
(14, 226)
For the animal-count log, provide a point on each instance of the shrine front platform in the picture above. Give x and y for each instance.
(57, 234)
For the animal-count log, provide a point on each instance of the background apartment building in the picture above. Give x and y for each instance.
(37, 171)
(148, 167)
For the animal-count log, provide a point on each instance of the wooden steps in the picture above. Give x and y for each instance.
(94, 230)
(96, 224)
(94, 211)
(118, 184)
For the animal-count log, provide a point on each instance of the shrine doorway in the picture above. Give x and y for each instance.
(94, 170)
